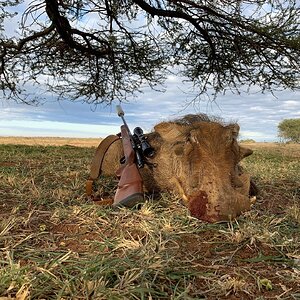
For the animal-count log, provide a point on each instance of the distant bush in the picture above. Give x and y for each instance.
(247, 141)
(289, 130)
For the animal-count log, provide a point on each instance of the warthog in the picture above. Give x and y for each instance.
(198, 159)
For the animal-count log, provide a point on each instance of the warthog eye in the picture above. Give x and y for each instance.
(178, 148)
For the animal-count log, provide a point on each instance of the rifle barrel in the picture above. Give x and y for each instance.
(139, 157)
(120, 111)
(121, 114)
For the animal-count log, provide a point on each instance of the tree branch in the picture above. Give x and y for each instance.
(65, 31)
(153, 11)
(22, 42)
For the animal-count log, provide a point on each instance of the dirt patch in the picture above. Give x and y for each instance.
(7, 164)
(75, 237)
(276, 198)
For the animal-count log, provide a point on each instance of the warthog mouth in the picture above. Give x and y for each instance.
(212, 208)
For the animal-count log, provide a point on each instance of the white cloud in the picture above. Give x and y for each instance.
(256, 135)
(57, 129)
(258, 108)
(291, 104)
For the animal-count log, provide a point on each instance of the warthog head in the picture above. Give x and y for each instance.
(199, 159)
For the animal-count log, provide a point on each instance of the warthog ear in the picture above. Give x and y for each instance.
(169, 131)
(235, 129)
(244, 152)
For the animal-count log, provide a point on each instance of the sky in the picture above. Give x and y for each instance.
(257, 114)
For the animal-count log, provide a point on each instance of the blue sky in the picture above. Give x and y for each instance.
(258, 114)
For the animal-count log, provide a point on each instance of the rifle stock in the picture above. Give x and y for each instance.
(130, 186)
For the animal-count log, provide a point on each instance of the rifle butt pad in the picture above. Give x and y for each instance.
(130, 201)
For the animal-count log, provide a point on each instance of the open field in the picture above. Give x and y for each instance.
(56, 244)
(277, 148)
(50, 141)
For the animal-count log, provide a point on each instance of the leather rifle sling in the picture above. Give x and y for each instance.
(96, 165)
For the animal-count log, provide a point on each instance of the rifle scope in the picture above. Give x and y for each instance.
(147, 150)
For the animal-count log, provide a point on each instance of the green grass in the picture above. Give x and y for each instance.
(56, 244)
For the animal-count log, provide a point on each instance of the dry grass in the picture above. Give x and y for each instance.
(50, 141)
(279, 148)
(55, 244)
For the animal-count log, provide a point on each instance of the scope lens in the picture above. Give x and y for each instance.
(149, 152)
(138, 131)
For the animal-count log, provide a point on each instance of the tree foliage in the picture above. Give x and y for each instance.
(289, 129)
(108, 49)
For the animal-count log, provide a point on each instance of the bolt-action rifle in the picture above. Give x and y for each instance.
(136, 150)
